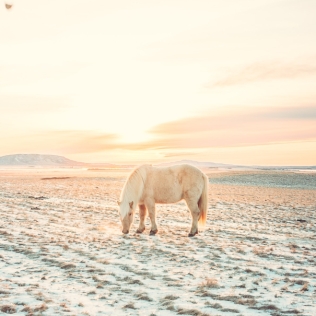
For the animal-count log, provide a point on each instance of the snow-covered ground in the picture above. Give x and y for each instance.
(62, 251)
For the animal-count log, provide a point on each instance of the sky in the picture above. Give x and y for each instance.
(231, 81)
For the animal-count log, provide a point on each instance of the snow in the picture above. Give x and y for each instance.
(62, 251)
(36, 160)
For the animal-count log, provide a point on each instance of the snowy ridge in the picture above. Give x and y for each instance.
(206, 164)
(199, 164)
(55, 160)
(37, 160)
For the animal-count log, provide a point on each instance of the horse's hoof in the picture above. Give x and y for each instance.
(153, 232)
(192, 235)
(139, 231)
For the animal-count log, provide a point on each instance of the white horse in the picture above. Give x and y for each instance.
(148, 185)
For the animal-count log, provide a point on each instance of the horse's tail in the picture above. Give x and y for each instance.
(203, 201)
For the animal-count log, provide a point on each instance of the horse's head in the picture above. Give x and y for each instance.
(126, 215)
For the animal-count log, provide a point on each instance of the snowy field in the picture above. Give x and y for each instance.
(62, 251)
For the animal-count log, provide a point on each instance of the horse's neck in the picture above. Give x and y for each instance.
(135, 185)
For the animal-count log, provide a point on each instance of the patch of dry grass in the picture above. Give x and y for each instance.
(304, 287)
(269, 307)
(43, 307)
(8, 309)
(171, 297)
(193, 312)
(143, 296)
(209, 283)
(129, 305)
(103, 261)
(68, 266)
(262, 250)
(28, 310)
(247, 301)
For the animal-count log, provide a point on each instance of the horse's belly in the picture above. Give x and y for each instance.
(167, 197)
(165, 188)
(167, 201)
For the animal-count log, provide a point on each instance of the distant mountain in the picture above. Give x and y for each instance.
(60, 161)
(199, 164)
(285, 167)
(37, 160)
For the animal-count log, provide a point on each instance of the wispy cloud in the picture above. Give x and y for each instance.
(266, 71)
(179, 154)
(78, 142)
(243, 128)
(238, 119)
(59, 142)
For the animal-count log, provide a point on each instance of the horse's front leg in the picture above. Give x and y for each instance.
(152, 215)
(142, 217)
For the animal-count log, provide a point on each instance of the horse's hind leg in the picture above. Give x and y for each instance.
(195, 212)
(142, 217)
(152, 214)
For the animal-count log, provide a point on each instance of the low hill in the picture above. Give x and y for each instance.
(205, 164)
(37, 160)
(60, 161)
(199, 164)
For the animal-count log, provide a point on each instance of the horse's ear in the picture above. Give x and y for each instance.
(131, 204)
(118, 203)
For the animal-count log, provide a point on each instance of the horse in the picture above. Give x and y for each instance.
(148, 185)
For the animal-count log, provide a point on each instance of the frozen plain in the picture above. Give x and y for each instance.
(62, 251)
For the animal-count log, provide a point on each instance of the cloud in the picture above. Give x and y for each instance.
(59, 142)
(78, 142)
(178, 154)
(237, 119)
(246, 127)
(238, 128)
(266, 71)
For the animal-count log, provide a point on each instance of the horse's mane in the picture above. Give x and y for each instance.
(134, 186)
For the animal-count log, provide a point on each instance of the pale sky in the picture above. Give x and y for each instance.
(231, 81)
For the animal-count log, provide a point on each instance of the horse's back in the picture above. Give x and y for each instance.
(170, 184)
(190, 177)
